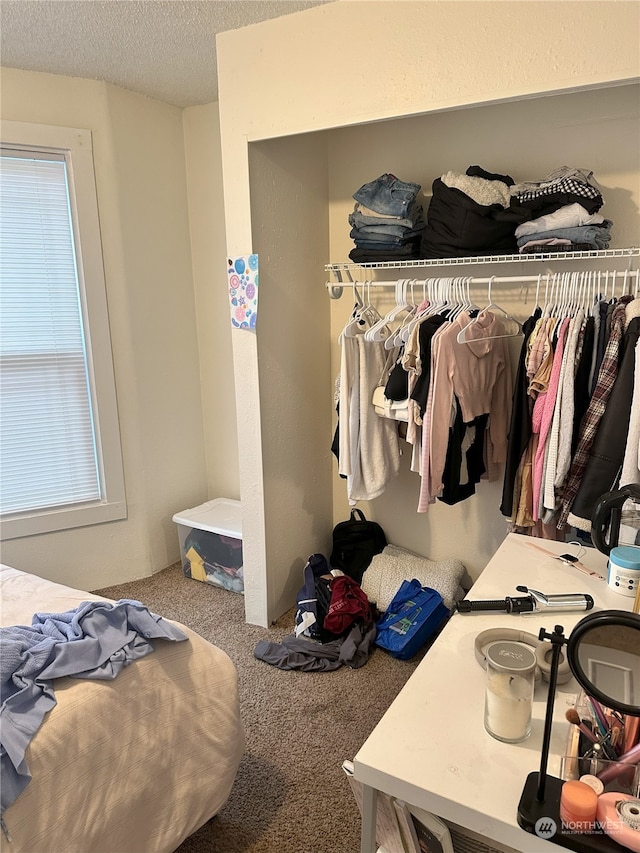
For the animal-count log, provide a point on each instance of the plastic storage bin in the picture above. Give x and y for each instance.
(210, 537)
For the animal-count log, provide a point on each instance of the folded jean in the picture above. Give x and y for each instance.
(388, 195)
(370, 256)
(363, 215)
(384, 232)
(382, 245)
(598, 236)
(358, 218)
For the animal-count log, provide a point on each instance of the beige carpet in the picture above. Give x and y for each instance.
(290, 794)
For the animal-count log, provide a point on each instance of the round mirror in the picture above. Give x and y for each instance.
(603, 652)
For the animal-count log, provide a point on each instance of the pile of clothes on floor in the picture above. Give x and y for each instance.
(339, 621)
(478, 213)
(387, 221)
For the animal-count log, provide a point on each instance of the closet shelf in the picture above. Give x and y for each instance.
(485, 259)
(342, 273)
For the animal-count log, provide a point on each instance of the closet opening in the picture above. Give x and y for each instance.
(301, 196)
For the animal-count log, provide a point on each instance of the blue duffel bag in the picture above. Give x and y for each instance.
(414, 615)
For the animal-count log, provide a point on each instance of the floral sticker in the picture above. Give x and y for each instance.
(242, 274)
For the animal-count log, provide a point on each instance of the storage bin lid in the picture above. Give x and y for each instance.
(221, 515)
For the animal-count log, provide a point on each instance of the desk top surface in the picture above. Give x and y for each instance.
(431, 748)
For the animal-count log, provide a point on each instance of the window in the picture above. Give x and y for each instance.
(60, 456)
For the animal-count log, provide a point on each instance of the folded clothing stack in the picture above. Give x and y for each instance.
(469, 214)
(388, 569)
(570, 228)
(564, 186)
(387, 221)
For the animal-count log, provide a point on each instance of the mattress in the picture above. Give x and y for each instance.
(131, 765)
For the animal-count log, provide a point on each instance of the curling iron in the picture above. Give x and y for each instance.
(533, 602)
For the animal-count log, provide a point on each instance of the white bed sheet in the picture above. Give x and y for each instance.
(133, 765)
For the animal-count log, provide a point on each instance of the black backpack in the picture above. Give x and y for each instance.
(355, 544)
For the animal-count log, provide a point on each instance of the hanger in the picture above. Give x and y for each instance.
(381, 330)
(624, 283)
(551, 295)
(492, 308)
(396, 339)
(456, 298)
(402, 332)
(537, 305)
(364, 315)
(357, 305)
(465, 302)
(428, 294)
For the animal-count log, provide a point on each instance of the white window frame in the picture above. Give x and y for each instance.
(76, 146)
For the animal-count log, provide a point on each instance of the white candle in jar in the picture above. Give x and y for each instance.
(509, 691)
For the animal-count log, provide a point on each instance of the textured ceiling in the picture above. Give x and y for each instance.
(162, 48)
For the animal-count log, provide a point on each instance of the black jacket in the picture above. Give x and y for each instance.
(607, 452)
(457, 226)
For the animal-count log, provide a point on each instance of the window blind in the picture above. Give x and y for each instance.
(48, 453)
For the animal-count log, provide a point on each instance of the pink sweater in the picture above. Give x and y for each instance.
(543, 415)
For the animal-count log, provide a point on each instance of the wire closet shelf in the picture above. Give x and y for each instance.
(346, 274)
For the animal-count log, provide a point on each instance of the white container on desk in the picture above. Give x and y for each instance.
(509, 694)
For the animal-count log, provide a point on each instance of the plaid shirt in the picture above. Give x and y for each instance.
(566, 185)
(595, 410)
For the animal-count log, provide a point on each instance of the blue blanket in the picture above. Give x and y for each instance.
(95, 640)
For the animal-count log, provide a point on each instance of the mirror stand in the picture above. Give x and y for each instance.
(539, 806)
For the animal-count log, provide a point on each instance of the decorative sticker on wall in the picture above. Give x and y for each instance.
(242, 273)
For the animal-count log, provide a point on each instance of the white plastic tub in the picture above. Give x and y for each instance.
(210, 537)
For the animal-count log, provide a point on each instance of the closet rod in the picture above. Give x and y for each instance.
(335, 290)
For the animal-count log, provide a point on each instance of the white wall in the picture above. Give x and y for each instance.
(366, 62)
(208, 253)
(142, 198)
(289, 186)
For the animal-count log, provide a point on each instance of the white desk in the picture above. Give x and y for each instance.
(431, 749)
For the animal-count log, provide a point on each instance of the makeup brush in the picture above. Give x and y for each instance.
(573, 717)
(599, 715)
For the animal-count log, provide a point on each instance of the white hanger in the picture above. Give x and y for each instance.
(492, 308)
(465, 303)
(537, 305)
(357, 305)
(381, 330)
(624, 283)
(550, 294)
(428, 294)
(401, 335)
(363, 316)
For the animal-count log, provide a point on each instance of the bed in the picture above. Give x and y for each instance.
(130, 765)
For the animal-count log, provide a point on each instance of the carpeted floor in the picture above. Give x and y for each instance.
(290, 794)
